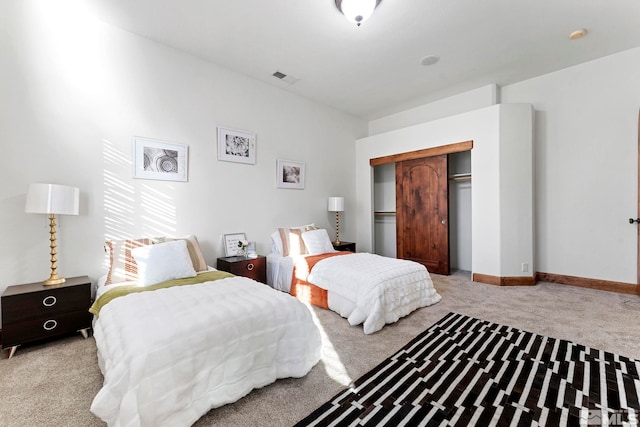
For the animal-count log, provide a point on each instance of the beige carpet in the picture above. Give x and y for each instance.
(53, 384)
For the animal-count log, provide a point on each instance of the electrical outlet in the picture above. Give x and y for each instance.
(525, 267)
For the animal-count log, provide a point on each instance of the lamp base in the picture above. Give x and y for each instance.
(337, 241)
(54, 280)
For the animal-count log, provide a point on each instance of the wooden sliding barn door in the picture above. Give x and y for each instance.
(422, 212)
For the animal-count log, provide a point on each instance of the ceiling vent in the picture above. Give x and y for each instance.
(285, 78)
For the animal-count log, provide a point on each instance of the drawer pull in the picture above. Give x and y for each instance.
(49, 301)
(250, 266)
(50, 325)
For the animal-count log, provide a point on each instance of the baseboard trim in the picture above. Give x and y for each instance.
(583, 282)
(504, 281)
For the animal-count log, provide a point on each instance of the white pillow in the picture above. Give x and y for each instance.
(276, 243)
(164, 261)
(193, 246)
(317, 241)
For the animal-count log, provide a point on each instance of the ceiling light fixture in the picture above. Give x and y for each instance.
(357, 11)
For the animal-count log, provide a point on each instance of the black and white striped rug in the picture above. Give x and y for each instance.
(468, 372)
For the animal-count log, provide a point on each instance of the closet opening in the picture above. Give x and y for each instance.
(445, 243)
(460, 213)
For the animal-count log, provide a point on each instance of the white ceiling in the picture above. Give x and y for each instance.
(374, 70)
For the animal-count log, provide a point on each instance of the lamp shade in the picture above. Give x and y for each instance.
(52, 199)
(336, 204)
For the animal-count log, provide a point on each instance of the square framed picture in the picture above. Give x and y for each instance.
(290, 174)
(231, 243)
(236, 146)
(155, 159)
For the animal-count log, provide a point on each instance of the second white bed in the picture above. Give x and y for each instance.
(365, 288)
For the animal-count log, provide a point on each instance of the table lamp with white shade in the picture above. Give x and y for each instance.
(336, 204)
(52, 199)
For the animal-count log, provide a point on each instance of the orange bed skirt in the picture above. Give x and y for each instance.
(305, 291)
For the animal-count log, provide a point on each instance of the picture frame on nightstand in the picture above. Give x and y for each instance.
(231, 247)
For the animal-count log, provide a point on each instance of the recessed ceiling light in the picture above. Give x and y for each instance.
(578, 34)
(429, 60)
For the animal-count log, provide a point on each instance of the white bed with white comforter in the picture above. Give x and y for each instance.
(170, 355)
(365, 288)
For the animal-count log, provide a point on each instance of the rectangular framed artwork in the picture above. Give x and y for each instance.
(231, 243)
(290, 174)
(236, 146)
(155, 159)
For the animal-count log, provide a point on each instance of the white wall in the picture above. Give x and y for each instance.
(493, 163)
(75, 91)
(516, 192)
(585, 162)
(586, 155)
(461, 103)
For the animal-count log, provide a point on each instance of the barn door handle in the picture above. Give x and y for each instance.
(631, 220)
(444, 221)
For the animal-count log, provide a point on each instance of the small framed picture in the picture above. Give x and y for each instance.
(155, 159)
(236, 146)
(290, 174)
(231, 243)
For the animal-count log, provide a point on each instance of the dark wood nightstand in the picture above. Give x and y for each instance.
(344, 246)
(33, 311)
(253, 268)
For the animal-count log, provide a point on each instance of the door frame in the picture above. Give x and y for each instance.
(427, 152)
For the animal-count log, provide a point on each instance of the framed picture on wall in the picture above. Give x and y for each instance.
(290, 174)
(155, 159)
(236, 146)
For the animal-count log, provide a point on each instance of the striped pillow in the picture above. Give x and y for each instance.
(122, 265)
(292, 242)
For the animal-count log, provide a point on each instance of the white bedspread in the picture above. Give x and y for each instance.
(383, 289)
(170, 355)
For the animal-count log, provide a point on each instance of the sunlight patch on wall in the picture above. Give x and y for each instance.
(65, 39)
(134, 208)
(75, 67)
(158, 211)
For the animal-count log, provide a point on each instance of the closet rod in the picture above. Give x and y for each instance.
(460, 177)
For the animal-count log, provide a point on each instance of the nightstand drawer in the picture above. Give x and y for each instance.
(253, 268)
(44, 327)
(48, 302)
